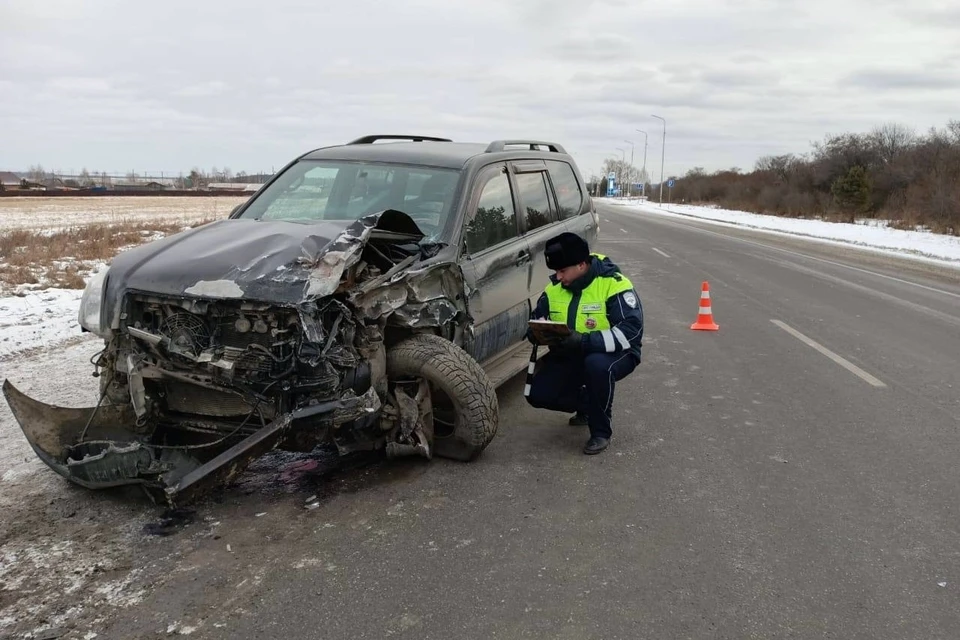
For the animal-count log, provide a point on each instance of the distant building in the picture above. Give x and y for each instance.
(10, 181)
(239, 187)
(153, 185)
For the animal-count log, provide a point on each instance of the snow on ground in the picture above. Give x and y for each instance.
(36, 212)
(38, 319)
(867, 234)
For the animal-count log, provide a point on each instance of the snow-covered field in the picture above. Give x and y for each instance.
(872, 235)
(36, 213)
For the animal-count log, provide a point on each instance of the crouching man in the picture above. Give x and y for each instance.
(600, 306)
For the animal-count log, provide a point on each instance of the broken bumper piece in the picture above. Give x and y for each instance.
(99, 447)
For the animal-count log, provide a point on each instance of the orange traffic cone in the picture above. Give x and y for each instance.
(705, 318)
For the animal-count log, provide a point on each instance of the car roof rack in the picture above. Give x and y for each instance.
(499, 145)
(374, 138)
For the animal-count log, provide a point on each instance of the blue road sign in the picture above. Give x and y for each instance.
(670, 183)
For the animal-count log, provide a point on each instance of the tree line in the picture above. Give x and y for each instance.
(197, 178)
(890, 173)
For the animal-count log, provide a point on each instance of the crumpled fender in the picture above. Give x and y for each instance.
(54, 431)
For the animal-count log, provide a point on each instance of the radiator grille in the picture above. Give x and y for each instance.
(189, 398)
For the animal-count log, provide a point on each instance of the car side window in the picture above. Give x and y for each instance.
(495, 219)
(534, 199)
(567, 188)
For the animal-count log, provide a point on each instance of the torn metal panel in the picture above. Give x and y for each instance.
(89, 446)
(415, 429)
(92, 447)
(52, 430)
(227, 466)
(273, 261)
(430, 297)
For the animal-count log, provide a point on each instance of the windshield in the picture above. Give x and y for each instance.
(314, 190)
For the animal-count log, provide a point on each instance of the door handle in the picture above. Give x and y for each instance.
(523, 258)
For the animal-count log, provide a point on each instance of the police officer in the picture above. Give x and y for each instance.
(602, 309)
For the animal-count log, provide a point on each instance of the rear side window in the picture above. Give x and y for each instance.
(495, 219)
(534, 199)
(569, 196)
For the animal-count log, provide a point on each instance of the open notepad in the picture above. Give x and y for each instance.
(543, 330)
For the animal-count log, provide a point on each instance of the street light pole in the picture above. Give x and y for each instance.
(623, 155)
(663, 150)
(644, 152)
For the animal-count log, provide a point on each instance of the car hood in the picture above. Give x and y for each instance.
(270, 261)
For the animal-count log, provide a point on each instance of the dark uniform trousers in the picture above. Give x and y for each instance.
(582, 383)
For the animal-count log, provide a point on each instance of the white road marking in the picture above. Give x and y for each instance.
(661, 252)
(809, 257)
(623, 230)
(836, 264)
(846, 364)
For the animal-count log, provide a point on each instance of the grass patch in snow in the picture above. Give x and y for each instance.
(61, 258)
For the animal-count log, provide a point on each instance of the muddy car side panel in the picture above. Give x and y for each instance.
(498, 277)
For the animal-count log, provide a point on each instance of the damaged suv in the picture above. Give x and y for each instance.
(371, 296)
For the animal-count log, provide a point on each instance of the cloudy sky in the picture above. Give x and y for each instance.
(122, 85)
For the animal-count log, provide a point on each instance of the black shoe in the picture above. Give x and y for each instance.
(578, 420)
(595, 446)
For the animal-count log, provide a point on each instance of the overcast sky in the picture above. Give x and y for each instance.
(123, 85)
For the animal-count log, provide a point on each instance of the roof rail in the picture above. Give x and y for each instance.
(499, 145)
(374, 138)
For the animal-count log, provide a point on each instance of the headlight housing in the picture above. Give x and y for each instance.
(90, 304)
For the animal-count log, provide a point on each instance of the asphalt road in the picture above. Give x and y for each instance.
(756, 486)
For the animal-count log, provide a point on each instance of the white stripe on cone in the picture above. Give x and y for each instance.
(705, 310)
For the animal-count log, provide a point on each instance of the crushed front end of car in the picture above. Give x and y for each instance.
(227, 341)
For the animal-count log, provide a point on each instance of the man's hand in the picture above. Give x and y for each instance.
(570, 342)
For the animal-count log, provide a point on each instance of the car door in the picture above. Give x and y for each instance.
(575, 207)
(539, 220)
(495, 265)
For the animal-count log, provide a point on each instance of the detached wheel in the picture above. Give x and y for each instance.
(466, 411)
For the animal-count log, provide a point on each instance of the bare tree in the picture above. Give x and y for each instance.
(954, 128)
(36, 174)
(890, 140)
(779, 166)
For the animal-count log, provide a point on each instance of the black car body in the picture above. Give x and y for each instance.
(370, 296)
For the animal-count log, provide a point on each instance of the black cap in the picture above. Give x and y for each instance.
(566, 250)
